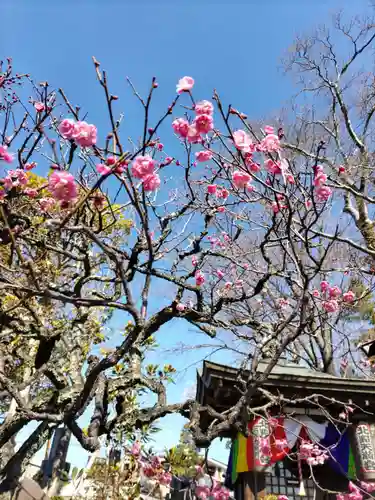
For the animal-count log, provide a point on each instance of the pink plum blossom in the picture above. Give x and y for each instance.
(15, 178)
(211, 188)
(181, 127)
(323, 193)
(39, 107)
(180, 307)
(199, 278)
(203, 156)
(204, 108)
(185, 84)
(250, 163)
(5, 155)
(143, 166)
(320, 179)
(220, 273)
(270, 143)
(276, 207)
(193, 135)
(110, 161)
(334, 292)
(242, 141)
(348, 297)
(222, 193)
(202, 492)
(240, 179)
(220, 493)
(151, 182)
(367, 486)
(330, 306)
(30, 166)
(84, 134)
(62, 186)
(103, 169)
(324, 286)
(316, 293)
(168, 160)
(66, 128)
(269, 130)
(203, 124)
(273, 167)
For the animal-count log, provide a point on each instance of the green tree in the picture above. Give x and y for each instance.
(184, 457)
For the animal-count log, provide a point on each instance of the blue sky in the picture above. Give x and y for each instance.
(232, 46)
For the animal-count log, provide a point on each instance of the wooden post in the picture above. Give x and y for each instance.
(250, 486)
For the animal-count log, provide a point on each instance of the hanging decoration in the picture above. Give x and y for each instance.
(272, 440)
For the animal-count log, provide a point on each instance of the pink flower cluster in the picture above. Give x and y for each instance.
(5, 155)
(322, 191)
(15, 178)
(312, 453)
(273, 167)
(241, 179)
(330, 294)
(62, 186)
(143, 168)
(84, 134)
(355, 491)
(203, 156)
(218, 492)
(153, 468)
(279, 204)
(202, 124)
(105, 168)
(243, 141)
(271, 143)
(220, 191)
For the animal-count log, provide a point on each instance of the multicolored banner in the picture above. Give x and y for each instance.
(246, 452)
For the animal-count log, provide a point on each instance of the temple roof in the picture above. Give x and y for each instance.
(216, 387)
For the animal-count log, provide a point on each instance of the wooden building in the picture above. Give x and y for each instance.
(326, 395)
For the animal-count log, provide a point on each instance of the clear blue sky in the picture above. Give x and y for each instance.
(233, 46)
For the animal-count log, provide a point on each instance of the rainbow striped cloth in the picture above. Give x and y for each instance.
(341, 458)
